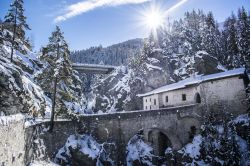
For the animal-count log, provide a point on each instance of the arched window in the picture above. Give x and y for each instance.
(197, 98)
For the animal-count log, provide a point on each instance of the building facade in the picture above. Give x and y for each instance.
(225, 90)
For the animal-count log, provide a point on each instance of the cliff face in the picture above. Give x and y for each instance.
(10, 83)
(18, 91)
(117, 92)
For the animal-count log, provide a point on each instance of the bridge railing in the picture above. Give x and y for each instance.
(139, 113)
(136, 113)
(93, 68)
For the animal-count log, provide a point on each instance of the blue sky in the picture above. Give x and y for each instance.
(105, 22)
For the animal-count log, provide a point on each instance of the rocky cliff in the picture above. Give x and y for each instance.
(18, 90)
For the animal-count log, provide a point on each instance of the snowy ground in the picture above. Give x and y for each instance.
(42, 163)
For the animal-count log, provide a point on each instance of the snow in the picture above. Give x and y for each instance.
(27, 60)
(34, 92)
(244, 149)
(21, 81)
(169, 150)
(152, 67)
(86, 144)
(195, 80)
(119, 96)
(137, 149)
(76, 107)
(245, 119)
(220, 67)
(6, 120)
(42, 163)
(200, 53)
(123, 83)
(220, 129)
(193, 149)
(154, 60)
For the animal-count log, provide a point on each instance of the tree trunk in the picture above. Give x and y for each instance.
(54, 99)
(13, 38)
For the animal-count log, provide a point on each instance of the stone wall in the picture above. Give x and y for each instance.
(15, 143)
(55, 140)
(19, 145)
(175, 96)
(228, 94)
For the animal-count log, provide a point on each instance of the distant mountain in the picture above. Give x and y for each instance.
(117, 54)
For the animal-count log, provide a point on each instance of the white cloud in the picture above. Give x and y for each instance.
(180, 3)
(87, 5)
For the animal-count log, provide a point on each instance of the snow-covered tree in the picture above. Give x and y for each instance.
(193, 23)
(211, 36)
(243, 27)
(58, 79)
(219, 139)
(15, 22)
(149, 45)
(230, 46)
(117, 54)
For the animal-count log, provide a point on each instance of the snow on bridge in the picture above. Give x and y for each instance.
(93, 68)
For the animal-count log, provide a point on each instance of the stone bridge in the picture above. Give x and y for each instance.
(169, 127)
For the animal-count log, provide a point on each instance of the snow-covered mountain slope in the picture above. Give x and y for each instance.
(118, 91)
(117, 54)
(18, 90)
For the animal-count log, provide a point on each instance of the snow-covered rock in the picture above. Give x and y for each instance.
(138, 152)
(83, 150)
(18, 90)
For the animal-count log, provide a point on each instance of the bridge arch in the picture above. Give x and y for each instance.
(159, 141)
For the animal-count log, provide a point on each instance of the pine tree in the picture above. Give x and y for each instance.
(219, 139)
(211, 36)
(149, 45)
(16, 23)
(243, 28)
(58, 79)
(230, 46)
(193, 23)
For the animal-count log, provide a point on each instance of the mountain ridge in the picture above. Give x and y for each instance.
(116, 54)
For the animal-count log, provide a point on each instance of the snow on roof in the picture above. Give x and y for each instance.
(195, 80)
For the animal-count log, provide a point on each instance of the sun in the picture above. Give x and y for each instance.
(154, 19)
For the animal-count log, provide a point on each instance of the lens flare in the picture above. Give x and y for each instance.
(154, 16)
(154, 19)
